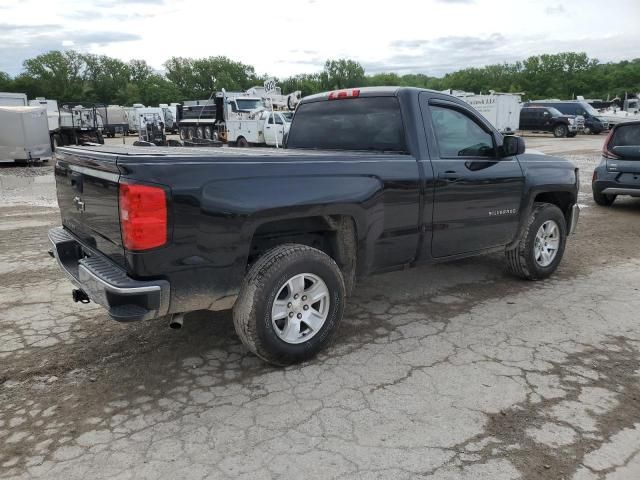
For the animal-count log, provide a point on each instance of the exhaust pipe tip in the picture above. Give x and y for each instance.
(176, 321)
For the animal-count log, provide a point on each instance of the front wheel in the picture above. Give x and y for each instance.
(290, 304)
(560, 131)
(541, 245)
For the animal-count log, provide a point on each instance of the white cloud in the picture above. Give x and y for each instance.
(285, 37)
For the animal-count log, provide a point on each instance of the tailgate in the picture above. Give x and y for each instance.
(87, 188)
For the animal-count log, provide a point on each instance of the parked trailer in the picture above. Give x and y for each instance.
(502, 110)
(24, 134)
(80, 124)
(115, 120)
(13, 99)
(71, 123)
(170, 116)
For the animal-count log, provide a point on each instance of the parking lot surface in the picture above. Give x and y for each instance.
(453, 371)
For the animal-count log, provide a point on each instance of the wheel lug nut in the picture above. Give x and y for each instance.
(289, 305)
(290, 314)
(304, 297)
(299, 315)
(295, 296)
(306, 307)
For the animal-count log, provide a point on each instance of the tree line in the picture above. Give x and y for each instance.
(75, 76)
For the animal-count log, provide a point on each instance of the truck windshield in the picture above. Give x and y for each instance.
(365, 123)
(589, 109)
(248, 104)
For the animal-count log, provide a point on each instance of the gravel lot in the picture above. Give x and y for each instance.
(455, 371)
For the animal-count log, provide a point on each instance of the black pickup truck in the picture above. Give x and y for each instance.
(372, 180)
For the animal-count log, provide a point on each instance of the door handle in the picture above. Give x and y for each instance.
(449, 175)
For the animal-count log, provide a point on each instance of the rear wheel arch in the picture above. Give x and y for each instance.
(335, 235)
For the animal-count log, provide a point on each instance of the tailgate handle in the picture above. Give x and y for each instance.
(76, 181)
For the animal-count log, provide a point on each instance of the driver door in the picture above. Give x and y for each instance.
(477, 194)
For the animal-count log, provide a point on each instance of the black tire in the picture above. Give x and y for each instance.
(242, 142)
(560, 130)
(252, 311)
(521, 259)
(183, 133)
(100, 138)
(199, 132)
(572, 134)
(191, 133)
(603, 199)
(208, 133)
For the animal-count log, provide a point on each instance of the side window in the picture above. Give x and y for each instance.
(271, 119)
(458, 135)
(278, 120)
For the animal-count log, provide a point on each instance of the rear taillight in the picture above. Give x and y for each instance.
(606, 153)
(339, 94)
(143, 216)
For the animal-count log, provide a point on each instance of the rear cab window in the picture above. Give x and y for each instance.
(363, 123)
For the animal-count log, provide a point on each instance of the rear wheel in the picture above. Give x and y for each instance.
(290, 304)
(603, 199)
(242, 142)
(560, 130)
(199, 132)
(56, 141)
(191, 132)
(541, 246)
(208, 133)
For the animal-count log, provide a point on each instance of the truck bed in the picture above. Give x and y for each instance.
(215, 153)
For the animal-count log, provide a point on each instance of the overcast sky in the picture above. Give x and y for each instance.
(287, 37)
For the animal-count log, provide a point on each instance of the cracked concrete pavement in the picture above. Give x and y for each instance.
(454, 371)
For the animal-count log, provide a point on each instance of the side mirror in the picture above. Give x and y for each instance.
(512, 145)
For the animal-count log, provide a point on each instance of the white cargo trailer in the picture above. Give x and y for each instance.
(502, 110)
(24, 136)
(13, 99)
